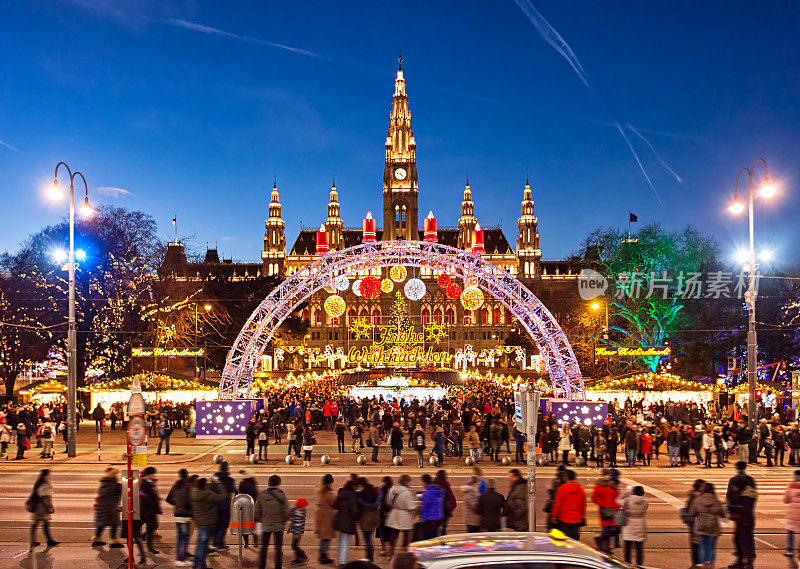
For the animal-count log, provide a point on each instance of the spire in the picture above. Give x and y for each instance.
(466, 223)
(400, 143)
(400, 61)
(274, 252)
(333, 224)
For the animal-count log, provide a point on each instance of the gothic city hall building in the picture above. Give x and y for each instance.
(490, 325)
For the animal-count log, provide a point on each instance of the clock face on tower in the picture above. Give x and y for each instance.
(400, 173)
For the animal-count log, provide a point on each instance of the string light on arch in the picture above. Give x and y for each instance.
(341, 283)
(398, 274)
(414, 289)
(472, 298)
(387, 285)
(334, 306)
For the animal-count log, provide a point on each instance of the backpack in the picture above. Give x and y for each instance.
(262, 436)
(47, 433)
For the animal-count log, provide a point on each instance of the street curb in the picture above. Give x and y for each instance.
(67, 461)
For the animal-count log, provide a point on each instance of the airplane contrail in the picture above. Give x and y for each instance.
(7, 145)
(639, 162)
(551, 36)
(657, 155)
(222, 33)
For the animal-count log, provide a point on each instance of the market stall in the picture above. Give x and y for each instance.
(652, 388)
(155, 387)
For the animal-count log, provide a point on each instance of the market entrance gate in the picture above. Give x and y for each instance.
(557, 354)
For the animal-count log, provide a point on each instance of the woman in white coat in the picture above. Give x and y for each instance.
(470, 492)
(565, 443)
(402, 512)
(634, 532)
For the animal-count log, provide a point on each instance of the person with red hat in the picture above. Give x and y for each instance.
(297, 527)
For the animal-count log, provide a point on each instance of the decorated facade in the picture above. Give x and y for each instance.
(470, 323)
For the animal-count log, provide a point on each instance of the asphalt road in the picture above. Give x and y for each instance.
(75, 485)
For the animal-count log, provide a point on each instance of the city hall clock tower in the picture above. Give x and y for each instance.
(400, 185)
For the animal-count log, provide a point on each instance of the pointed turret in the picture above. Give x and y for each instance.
(400, 187)
(466, 223)
(334, 224)
(274, 253)
(528, 250)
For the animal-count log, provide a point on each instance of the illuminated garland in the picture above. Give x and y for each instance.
(652, 381)
(149, 382)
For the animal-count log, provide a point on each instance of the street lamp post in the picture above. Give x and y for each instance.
(736, 207)
(72, 348)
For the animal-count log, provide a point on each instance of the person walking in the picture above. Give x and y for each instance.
(48, 438)
(339, 428)
(491, 507)
(107, 508)
(272, 512)
(432, 509)
(250, 436)
(249, 486)
(383, 532)
(369, 499)
(792, 500)
(517, 501)
(347, 511)
(470, 493)
(707, 510)
(634, 533)
(308, 445)
(297, 527)
(164, 433)
(204, 499)
(439, 446)
(23, 443)
(569, 506)
(741, 495)
(673, 446)
(401, 513)
(149, 505)
(6, 434)
(396, 440)
(565, 443)
(263, 440)
(474, 443)
(708, 447)
(324, 522)
(417, 442)
(605, 495)
(375, 439)
(40, 505)
(223, 477)
(179, 497)
(99, 417)
(688, 518)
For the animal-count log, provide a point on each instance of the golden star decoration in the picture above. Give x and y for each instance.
(435, 332)
(360, 328)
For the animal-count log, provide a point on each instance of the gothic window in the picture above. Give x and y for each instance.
(305, 314)
(497, 315)
(426, 315)
(351, 315)
(376, 316)
(467, 318)
(484, 316)
(450, 316)
(437, 315)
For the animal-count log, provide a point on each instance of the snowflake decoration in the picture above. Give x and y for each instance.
(360, 328)
(435, 332)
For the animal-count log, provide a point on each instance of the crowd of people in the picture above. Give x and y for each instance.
(386, 516)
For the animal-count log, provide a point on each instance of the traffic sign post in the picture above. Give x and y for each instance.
(136, 441)
(526, 407)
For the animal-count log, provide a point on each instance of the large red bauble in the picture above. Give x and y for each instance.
(443, 280)
(370, 288)
(453, 291)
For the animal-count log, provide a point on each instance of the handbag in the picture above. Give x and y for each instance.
(621, 519)
(686, 517)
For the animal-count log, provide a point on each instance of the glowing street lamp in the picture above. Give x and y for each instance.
(766, 190)
(56, 193)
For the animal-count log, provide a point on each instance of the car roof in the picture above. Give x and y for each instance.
(472, 544)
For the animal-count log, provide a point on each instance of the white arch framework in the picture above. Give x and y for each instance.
(560, 361)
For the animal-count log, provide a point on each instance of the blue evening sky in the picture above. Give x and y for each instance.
(190, 108)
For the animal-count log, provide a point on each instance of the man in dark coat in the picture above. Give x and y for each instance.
(491, 507)
(150, 505)
(180, 499)
(347, 513)
(741, 496)
(106, 508)
(224, 507)
(517, 501)
(249, 486)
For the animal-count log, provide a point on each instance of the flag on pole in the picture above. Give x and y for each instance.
(175, 221)
(633, 217)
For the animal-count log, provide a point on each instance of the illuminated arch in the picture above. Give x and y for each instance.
(565, 375)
